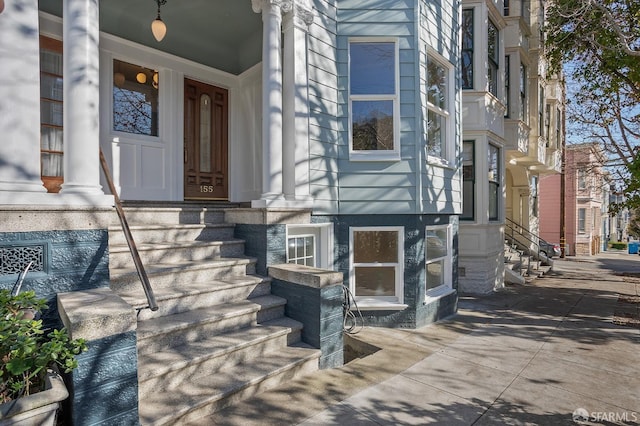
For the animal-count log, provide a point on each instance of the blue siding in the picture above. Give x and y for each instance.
(438, 30)
(323, 108)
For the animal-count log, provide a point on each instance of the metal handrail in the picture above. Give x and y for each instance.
(510, 224)
(142, 273)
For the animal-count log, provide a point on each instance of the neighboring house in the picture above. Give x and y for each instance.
(335, 125)
(513, 114)
(619, 221)
(585, 201)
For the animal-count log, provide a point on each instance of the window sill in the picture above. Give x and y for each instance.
(374, 156)
(380, 305)
(438, 293)
(439, 162)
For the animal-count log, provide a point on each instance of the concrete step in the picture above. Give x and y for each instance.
(168, 252)
(175, 330)
(209, 393)
(171, 213)
(170, 369)
(195, 295)
(173, 274)
(158, 233)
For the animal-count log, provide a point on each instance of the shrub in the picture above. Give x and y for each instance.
(26, 352)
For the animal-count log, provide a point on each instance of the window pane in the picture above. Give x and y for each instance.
(372, 125)
(435, 134)
(51, 164)
(51, 61)
(372, 68)
(436, 243)
(435, 274)
(375, 281)
(493, 200)
(467, 49)
(205, 133)
(492, 34)
(375, 246)
(437, 90)
(135, 99)
(51, 87)
(51, 113)
(494, 166)
(51, 138)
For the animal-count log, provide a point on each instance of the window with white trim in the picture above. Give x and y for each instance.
(439, 102)
(301, 250)
(467, 48)
(373, 100)
(376, 274)
(493, 57)
(310, 245)
(523, 93)
(494, 181)
(582, 220)
(438, 259)
(468, 180)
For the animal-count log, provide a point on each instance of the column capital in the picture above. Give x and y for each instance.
(258, 6)
(300, 11)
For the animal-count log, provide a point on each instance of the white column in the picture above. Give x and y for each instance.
(80, 34)
(20, 103)
(271, 102)
(295, 93)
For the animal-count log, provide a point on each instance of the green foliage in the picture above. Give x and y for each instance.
(618, 246)
(601, 38)
(25, 350)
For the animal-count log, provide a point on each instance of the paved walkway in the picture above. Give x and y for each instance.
(539, 354)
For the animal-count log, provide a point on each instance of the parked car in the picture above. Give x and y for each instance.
(549, 249)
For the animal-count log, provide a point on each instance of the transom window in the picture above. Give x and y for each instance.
(377, 259)
(438, 103)
(135, 99)
(373, 100)
(438, 259)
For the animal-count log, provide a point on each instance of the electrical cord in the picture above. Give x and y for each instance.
(350, 321)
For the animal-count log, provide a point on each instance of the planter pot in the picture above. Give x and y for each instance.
(38, 409)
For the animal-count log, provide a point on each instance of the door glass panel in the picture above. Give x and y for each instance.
(205, 133)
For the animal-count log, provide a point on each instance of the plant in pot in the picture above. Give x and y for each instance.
(30, 385)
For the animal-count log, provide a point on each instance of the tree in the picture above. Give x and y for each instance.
(598, 44)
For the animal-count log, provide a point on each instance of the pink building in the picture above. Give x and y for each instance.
(583, 197)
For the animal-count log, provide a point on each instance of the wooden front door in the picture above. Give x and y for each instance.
(205, 142)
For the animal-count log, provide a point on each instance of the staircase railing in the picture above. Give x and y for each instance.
(142, 273)
(523, 233)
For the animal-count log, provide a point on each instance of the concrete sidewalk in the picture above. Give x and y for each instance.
(542, 353)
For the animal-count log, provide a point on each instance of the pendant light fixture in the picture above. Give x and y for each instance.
(158, 28)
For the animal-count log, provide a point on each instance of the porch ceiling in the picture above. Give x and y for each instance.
(223, 34)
